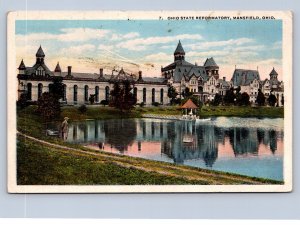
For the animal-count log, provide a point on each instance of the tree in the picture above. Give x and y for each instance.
(272, 100)
(243, 99)
(48, 106)
(172, 94)
(57, 88)
(282, 100)
(217, 100)
(229, 97)
(122, 97)
(260, 99)
(22, 102)
(186, 93)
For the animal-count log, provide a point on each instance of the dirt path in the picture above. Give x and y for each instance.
(206, 176)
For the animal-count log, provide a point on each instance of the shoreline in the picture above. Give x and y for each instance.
(31, 124)
(185, 174)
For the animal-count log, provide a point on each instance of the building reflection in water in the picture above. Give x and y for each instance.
(179, 140)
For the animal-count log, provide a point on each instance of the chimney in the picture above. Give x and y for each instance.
(140, 75)
(69, 70)
(101, 72)
(224, 78)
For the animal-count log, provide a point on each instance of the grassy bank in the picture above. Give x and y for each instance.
(43, 164)
(242, 111)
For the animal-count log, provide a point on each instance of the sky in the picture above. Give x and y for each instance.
(146, 45)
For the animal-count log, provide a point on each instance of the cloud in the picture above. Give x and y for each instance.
(118, 37)
(213, 44)
(66, 35)
(78, 50)
(140, 44)
(158, 57)
(105, 47)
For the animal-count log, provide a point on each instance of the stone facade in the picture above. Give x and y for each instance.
(202, 81)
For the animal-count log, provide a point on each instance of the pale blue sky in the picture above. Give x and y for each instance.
(149, 44)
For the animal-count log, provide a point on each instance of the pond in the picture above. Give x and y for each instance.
(247, 146)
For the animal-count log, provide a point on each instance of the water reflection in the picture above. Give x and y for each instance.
(183, 142)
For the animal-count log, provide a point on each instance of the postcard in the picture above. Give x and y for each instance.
(149, 101)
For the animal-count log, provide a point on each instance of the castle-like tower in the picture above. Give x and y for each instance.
(179, 53)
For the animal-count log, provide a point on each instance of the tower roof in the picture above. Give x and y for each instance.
(57, 68)
(40, 52)
(273, 72)
(22, 65)
(210, 62)
(179, 49)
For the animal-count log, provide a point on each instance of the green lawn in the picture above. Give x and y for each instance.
(242, 111)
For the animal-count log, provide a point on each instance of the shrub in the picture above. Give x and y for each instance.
(142, 104)
(22, 102)
(104, 102)
(155, 103)
(82, 109)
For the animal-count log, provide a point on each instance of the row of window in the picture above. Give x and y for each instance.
(86, 93)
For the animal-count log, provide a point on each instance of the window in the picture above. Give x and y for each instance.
(64, 94)
(97, 94)
(40, 90)
(153, 95)
(106, 93)
(75, 89)
(144, 95)
(86, 93)
(162, 95)
(40, 71)
(29, 91)
(135, 93)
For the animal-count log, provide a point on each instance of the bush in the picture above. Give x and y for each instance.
(142, 104)
(22, 102)
(82, 109)
(155, 103)
(104, 102)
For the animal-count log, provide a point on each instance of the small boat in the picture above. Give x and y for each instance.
(50, 132)
(202, 120)
(187, 139)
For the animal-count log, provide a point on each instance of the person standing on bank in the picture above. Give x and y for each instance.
(65, 128)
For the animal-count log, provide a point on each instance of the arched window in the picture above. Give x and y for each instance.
(75, 92)
(153, 95)
(162, 96)
(40, 90)
(97, 94)
(29, 91)
(107, 93)
(64, 92)
(144, 95)
(86, 93)
(135, 93)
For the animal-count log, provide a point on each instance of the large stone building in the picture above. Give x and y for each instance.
(78, 87)
(203, 81)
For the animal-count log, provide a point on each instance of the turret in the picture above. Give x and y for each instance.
(22, 67)
(40, 56)
(273, 74)
(57, 70)
(179, 53)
